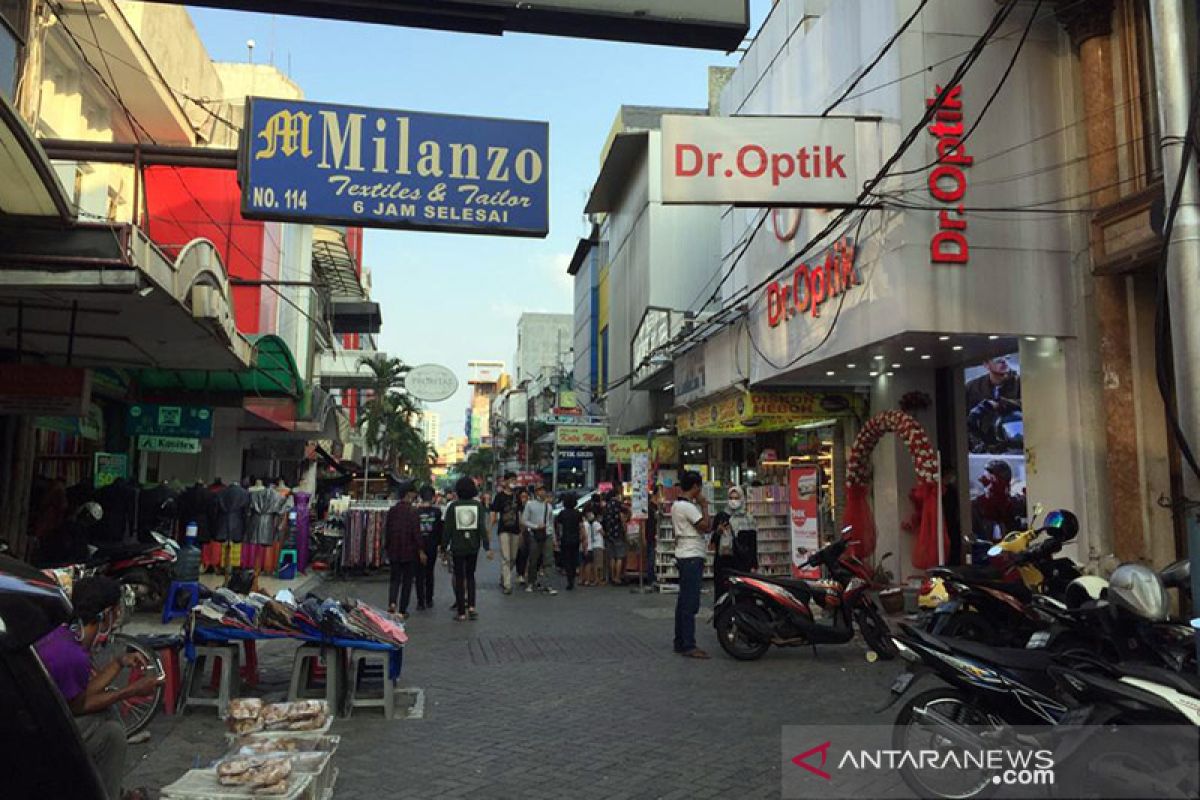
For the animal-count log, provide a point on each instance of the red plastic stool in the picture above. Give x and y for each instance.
(169, 658)
(249, 666)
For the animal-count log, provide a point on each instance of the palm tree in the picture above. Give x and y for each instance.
(387, 375)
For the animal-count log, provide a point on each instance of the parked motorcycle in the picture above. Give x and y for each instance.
(991, 689)
(145, 566)
(759, 611)
(994, 603)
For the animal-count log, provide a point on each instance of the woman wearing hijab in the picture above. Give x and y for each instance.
(735, 540)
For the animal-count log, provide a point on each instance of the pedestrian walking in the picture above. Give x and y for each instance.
(465, 529)
(568, 533)
(404, 548)
(431, 535)
(523, 547)
(691, 522)
(536, 521)
(506, 519)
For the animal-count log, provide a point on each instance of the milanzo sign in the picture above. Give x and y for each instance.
(316, 162)
(759, 161)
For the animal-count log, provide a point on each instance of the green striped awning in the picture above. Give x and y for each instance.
(273, 374)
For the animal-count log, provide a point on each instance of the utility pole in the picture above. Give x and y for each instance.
(1170, 32)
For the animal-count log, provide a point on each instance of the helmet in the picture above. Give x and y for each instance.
(1138, 589)
(90, 513)
(1083, 589)
(1062, 525)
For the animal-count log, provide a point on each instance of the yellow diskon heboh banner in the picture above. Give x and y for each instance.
(751, 412)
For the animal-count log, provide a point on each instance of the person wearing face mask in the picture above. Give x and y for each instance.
(66, 653)
(735, 541)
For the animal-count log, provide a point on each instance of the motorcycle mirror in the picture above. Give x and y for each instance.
(1038, 508)
(994, 551)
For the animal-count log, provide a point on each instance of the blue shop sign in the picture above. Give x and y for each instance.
(148, 419)
(315, 162)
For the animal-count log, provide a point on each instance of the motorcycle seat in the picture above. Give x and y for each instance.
(1188, 684)
(988, 578)
(1010, 657)
(113, 552)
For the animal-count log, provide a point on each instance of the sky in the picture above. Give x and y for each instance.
(451, 298)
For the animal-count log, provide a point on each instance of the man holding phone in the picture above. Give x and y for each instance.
(66, 653)
(691, 522)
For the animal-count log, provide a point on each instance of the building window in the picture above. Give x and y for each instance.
(13, 20)
(1141, 87)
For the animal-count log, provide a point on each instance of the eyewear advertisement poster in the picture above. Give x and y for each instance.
(806, 533)
(108, 467)
(996, 441)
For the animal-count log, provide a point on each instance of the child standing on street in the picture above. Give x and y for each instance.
(594, 568)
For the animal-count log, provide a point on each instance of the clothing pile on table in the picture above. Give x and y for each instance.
(314, 618)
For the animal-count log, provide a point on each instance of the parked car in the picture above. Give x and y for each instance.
(41, 754)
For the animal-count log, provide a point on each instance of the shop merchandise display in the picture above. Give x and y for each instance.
(769, 507)
(365, 534)
(227, 614)
(248, 715)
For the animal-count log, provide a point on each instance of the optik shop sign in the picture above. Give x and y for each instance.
(316, 162)
(811, 285)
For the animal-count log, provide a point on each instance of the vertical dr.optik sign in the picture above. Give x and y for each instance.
(948, 181)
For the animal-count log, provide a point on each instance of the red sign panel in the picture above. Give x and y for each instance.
(803, 480)
(811, 285)
(44, 391)
(948, 182)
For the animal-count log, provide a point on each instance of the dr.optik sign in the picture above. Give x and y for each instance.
(761, 161)
(315, 162)
(811, 285)
(947, 180)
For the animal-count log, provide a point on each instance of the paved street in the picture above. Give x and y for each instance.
(576, 695)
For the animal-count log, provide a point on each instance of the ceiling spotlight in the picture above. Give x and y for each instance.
(943, 338)
(909, 349)
(879, 358)
(895, 366)
(1031, 338)
(926, 357)
(956, 347)
(830, 373)
(874, 373)
(889, 374)
(851, 366)
(993, 338)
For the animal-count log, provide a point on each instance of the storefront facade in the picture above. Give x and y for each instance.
(905, 304)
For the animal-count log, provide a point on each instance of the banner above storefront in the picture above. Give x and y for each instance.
(41, 390)
(316, 162)
(758, 412)
(759, 161)
(146, 419)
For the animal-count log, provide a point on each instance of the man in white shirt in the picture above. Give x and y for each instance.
(537, 520)
(691, 523)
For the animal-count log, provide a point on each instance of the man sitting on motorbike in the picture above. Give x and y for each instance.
(66, 654)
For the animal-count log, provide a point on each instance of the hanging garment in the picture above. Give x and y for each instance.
(265, 508)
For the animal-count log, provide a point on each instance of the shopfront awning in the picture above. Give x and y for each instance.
(273, 374)
(743, 413)
(30, 189)
(104, 295)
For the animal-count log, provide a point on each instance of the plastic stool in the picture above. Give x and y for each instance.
(170, 609)
(284, 561)
(227, 655)
(307, 664)
(362, 666)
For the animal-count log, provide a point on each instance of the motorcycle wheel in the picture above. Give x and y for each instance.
(969, 625)
(136, 712)
(875, 633)
(1113, 763)
(910, 735)
(736, 642)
